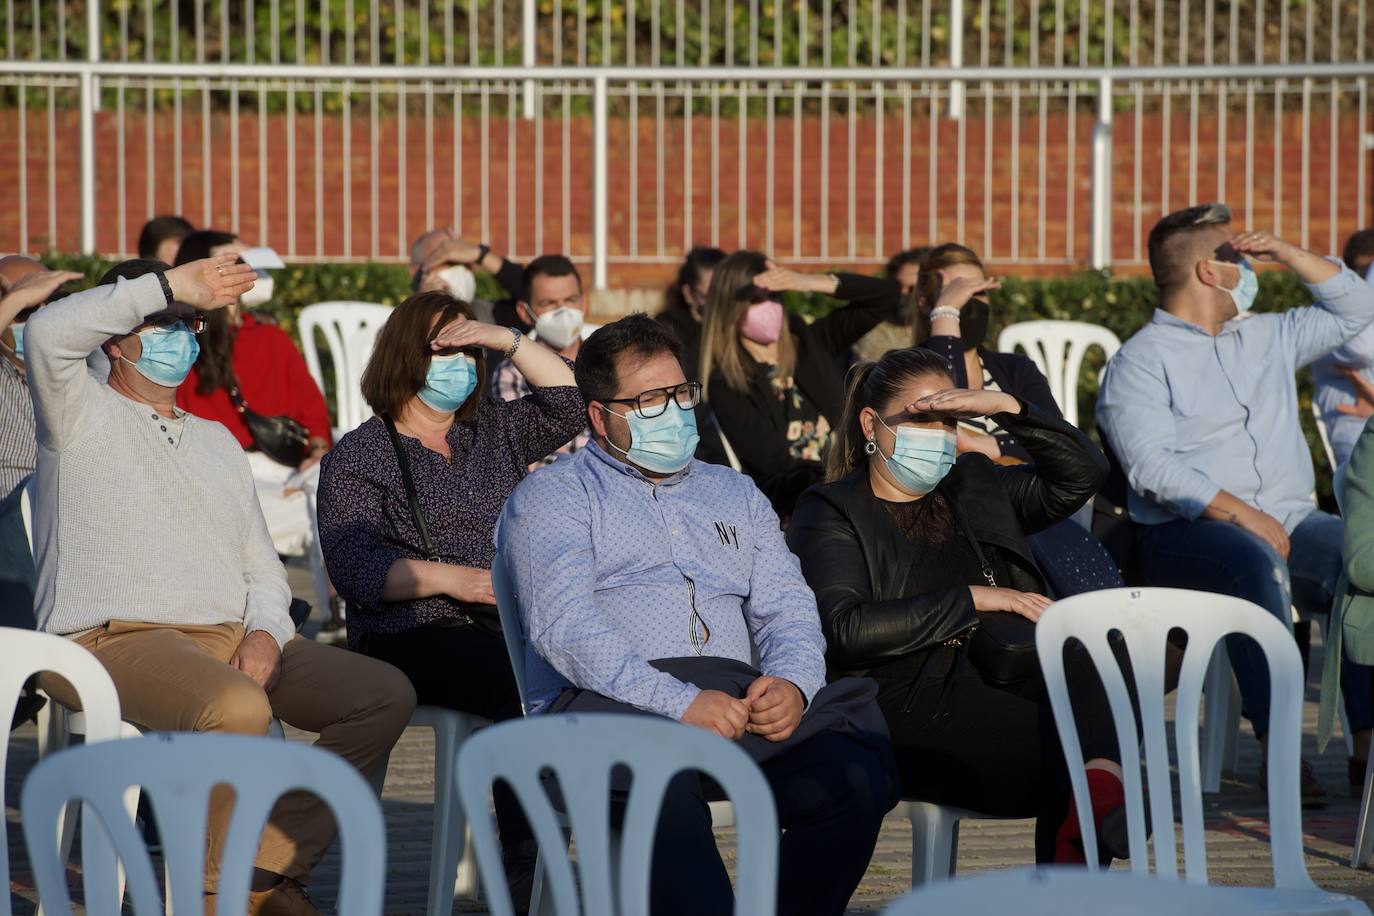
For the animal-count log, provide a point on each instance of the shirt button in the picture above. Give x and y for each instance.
(164, 429)
(169, 439)
(674, 531)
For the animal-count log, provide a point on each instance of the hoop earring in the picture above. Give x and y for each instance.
(870, 447)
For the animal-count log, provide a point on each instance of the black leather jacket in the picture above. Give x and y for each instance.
(856, 560)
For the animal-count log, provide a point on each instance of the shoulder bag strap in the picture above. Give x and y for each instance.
(409, 482)
(973, 542)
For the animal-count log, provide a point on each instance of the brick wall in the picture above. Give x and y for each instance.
(517, 171)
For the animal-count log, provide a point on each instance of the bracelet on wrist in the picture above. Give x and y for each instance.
(515, 344)
(944, 311)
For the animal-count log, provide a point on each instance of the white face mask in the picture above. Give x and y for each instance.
(260, 294)
(559, 327)
(460, 282)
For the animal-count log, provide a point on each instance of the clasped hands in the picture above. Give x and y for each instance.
(771, 708)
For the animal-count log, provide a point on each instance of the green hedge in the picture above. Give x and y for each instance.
(1122, 305)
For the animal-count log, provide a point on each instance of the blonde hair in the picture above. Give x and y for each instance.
(929, 284)
(720, 338)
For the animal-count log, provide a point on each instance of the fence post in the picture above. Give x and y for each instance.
(1102, 178)
(956, 58)
(88, 161)
(528, 56)
(600, 187)
(93, 41)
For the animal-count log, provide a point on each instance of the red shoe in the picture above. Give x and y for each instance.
(1109, 818)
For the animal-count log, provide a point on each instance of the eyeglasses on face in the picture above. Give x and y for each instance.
(652, 403)
(195, 324)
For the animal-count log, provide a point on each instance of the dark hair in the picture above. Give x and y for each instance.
(903, 258)
(548, 265)
(1171, 260)
(873, 385)
(1359, 251)
(637, 334)
(400, 358)
(200, 243)
(930, 284)
(700, 258)
(132, 269)
(215, 364)
(158, 230)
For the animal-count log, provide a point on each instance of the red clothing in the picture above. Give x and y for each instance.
(273, 379)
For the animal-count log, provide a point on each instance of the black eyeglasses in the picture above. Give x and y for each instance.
(195, 324)
(650, 404)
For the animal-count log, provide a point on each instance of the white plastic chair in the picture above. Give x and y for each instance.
(1058, 348)
(1144, 617)
(452, 866)
(581, 752)
(1325, 435)
(349, 329)
(177, 771)
(24, 653)
(1054, 891)
(935, 838)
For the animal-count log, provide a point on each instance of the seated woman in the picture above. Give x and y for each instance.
(249, 363)
(421, 597)
(773, 380)
(904, 547)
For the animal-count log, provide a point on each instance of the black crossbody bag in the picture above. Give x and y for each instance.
(482, 616)
(1003, 645)
(280, 438)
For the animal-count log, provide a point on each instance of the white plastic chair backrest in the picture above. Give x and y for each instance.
(1053, 891)
(24, 653)
(1144, 617)
(1325, 435)
(508, 606)
(581, 752)
(1058, 348)
(339, 323)
(26, 509)
(177, 772)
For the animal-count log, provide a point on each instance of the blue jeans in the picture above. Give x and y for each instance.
(1216, 556)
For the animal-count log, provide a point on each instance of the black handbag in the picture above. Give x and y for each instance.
(482, 616)
(1003, 645)
(280, 438)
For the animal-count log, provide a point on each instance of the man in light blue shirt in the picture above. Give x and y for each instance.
(1335, 397)
(645, 578)
(1201, 409)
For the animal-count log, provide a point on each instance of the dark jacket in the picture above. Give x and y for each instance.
(1015, 373)
(856, 560)
(679, 318)
(754, 420)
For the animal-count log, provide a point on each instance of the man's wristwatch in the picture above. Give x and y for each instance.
(166, 287)
(515, 344)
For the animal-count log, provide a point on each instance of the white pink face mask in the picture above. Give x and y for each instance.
(762, 323)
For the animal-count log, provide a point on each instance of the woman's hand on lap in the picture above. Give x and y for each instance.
(1028, 604)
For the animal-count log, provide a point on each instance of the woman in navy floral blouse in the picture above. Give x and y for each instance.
(437, 621)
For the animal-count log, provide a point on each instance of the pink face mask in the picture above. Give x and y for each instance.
(763, 322)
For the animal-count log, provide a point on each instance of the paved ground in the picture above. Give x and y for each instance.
(1236, 829)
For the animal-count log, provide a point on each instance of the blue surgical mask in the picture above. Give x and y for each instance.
(921, 457)
(1247, 288)
(449, 382)
(168, 355)
(663, 444)
(18, 330)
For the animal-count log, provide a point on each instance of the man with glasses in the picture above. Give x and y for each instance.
(646, 581)
(153, 555)
(1201, 409)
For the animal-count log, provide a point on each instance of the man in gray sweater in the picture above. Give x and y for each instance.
(153, 554)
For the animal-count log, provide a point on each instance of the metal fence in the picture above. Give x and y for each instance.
(621, 133)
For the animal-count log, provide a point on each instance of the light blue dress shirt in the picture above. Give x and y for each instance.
(1189, 414)
(613, 572)
(1334, 389)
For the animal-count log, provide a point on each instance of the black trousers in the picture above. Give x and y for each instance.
(964, 741)
(462, 667)
(832, 787)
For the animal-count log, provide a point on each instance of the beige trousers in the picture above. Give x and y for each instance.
(178, 679)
